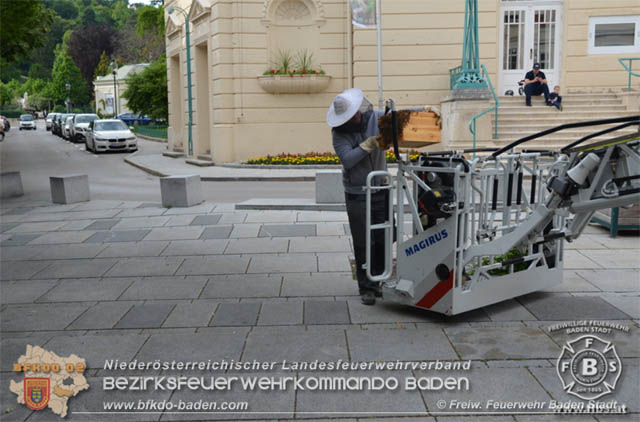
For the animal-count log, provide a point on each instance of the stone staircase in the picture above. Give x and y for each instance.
(516, 120)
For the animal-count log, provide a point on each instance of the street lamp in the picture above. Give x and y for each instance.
(68, 86)
(186, 27)
(114, 65)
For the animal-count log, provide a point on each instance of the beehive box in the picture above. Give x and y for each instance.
(415, 129)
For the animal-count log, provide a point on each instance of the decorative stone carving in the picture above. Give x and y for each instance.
(198, 10)
(172, 26)
(292, 10)
(271, 11)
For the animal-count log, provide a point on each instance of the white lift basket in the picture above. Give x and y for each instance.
(493, 228)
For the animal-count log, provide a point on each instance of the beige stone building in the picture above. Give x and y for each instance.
(106, 101)
(235, 116)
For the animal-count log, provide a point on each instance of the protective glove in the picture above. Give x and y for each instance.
(370, 144)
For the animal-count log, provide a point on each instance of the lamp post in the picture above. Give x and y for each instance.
(68, 87)
(186, 27)
(114, 65)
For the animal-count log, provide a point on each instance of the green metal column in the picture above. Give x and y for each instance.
(188, 41)
(469, 74)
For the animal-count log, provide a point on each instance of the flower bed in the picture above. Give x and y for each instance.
(287, 159)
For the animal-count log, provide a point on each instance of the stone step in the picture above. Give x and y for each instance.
(591, 114)
(564, 134)
(537, 126)
(556, 118)
(565, 95)
(568, 109)
(565, 101)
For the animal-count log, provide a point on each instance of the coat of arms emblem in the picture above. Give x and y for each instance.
(36, 393)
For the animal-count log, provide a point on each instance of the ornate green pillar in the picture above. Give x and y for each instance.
(469, 74)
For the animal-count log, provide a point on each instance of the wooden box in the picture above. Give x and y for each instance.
(415, 128)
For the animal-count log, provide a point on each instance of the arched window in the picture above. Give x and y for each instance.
(293, 26)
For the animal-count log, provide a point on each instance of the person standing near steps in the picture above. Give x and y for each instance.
(355, 135)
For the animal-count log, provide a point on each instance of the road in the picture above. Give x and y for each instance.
(39, 154)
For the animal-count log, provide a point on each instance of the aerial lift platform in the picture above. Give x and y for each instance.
(493, 227)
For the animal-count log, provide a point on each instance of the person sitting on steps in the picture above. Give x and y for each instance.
(555, 99)
(535, 83)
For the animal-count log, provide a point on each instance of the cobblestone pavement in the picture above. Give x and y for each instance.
(133, 280)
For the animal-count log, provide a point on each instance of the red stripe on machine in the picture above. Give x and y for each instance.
(434, 295)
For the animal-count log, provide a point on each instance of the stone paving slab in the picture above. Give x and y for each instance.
(210, 343)
(62, 237)
(212, 265)
(195, 247)
(41, 316)
(398, 343)
(282, 313)
(146, 316)
(294, 344)
(81, 290)
(287, 230)
(118, 236)
(319, 284)
(140, 222)
(258, 285)
(217, 232)
(146, 266)
(335, 402)
(21, 270)
(18, 239)
(78, 268)
(102, 225)
(24, 291)
(196, 314)
(283, 263)
(326, 312)
(103, 315)
(621, 258)
(154, 288)
(133, 249)
(206, 220)
(236, 314)
(569, 307)
(255, 246)
(613, 280)
(501, 343)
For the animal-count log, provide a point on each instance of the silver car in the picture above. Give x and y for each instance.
(66, 127)
(27, 122)
(81, 125)
(110, 135)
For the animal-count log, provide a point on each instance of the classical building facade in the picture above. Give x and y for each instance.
(237, 114)
(106, 101)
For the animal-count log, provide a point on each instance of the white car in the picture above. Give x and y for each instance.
(110, 135)
(81, 125)
(49, 120)
(27, 122)
(66, 127)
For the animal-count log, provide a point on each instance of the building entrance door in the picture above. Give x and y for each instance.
(529, 33)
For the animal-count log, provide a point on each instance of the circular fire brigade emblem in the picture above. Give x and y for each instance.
(589, 367)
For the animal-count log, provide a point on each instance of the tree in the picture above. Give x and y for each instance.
(65, 71)
(150, 19)
(86, 46)
(103, 67)
(146, 91)
(23, 27)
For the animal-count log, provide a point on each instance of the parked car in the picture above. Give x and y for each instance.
(58, 123)
(55, 124)
(49, 120)
(27, 122)
(81, 125)
(66, 127)
(7, 125)
(110, 135)
(131, 119)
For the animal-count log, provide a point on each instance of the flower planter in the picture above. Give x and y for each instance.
(296, 84)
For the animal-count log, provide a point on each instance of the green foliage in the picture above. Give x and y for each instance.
(23, 27)
(59, 109)
(147, 91)
(150, 20)
(512, 254)
(103, 67)
(288, 64)
(65, 71)
(121, 13)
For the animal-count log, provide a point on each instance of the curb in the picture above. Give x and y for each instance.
(153, 172)
(151, 138)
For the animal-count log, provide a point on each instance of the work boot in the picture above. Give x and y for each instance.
(368, 298)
